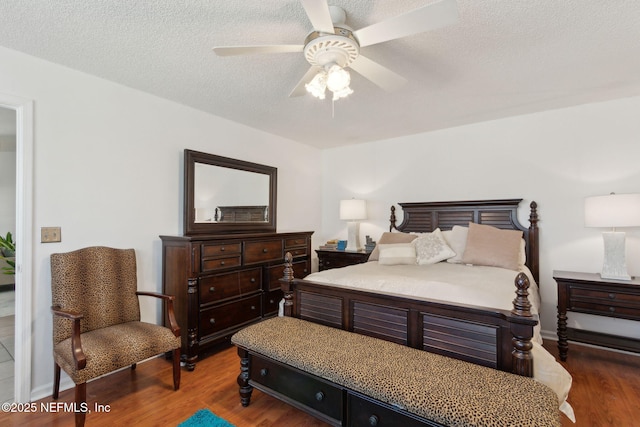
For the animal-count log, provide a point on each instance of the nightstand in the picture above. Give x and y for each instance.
(328, 258)
(588, 293)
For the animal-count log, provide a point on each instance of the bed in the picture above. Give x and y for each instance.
(456, 322)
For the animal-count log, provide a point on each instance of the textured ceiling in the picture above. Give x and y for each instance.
(503, 58)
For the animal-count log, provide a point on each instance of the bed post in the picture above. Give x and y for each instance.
(392, 218)
(286, 284)
(532, 246)
(521, 356)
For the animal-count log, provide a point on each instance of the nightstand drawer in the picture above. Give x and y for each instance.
(605, 310)
(604, 297)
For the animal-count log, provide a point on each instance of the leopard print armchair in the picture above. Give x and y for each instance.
(96, 322)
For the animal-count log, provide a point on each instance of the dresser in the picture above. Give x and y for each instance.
(222, 283)
(588, 293)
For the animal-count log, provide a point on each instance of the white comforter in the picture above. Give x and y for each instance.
(488, 287)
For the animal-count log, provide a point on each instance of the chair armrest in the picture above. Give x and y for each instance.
(76, 344)
(168, 299)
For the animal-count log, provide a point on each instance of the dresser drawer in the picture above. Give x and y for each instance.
(267, 250)
(361, 411)
(223, 286)
(231, 314)
(221, 249)
(276, 272)
(306, 389)
(295, 242)
(271, 302)
(220, 263)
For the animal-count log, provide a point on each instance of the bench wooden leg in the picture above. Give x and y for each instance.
(243, 378)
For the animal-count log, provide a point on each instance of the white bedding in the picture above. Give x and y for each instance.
(489, 287)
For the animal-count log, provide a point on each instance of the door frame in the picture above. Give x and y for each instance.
(24, 250)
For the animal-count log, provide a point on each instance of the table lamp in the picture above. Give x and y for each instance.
(612, 211)
(353, 211)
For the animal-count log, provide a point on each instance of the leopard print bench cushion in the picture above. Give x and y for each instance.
(115, 347)
(438, 388)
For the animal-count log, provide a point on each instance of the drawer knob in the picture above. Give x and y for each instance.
(221, 262)
(612, 309)
(212, 321)
(253, 280)
(612, 296)
(373, 420)
(222, 249)
(253, 307)
(212, 289)
(264, 372)
(271, 301)
(264, 250)
(319, 396)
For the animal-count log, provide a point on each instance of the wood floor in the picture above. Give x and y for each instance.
(606, 392)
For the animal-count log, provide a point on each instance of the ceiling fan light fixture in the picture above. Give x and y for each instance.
(338, 78)
(318, 85)
(343, 93)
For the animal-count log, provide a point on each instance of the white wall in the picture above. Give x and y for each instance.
(108, 170)
(555, 158)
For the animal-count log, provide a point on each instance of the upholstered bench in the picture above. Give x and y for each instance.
(345, 378)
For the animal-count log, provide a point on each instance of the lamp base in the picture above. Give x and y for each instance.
(353, 238)
(614, 266)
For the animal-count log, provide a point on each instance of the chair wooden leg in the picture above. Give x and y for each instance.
(176, 368)
(81, 403)
(133, 367)
(56, 380)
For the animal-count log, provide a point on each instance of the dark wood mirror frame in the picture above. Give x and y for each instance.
(191, 227)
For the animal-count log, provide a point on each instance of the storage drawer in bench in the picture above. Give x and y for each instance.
(308, 390)
(362, 411)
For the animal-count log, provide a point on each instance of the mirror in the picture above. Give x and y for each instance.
(224, 195)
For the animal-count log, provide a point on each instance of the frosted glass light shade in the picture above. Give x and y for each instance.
(613, 210)
(353, 210)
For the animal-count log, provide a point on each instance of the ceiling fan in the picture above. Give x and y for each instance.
(333, 46)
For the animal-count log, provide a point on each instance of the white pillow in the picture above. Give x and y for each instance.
(456, 238)
(548, 371)
(396, 253)
(432, 248)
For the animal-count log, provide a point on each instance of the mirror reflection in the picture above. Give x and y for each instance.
(230, 195)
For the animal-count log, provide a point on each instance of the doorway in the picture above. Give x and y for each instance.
(7, 231)
(23, 113)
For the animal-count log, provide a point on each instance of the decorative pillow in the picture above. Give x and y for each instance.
(432, 248)
(397, 253)
(456, 238)
(388, 237)
(491, 246)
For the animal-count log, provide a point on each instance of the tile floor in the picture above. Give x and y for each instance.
(7, 348)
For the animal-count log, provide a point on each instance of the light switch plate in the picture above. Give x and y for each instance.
(50, 234)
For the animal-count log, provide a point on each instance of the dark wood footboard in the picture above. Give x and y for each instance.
(490, 337)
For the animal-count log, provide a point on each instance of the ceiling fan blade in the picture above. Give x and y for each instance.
(319, 15)
(376, 73)
(429, 17)
(246, 50)
(300, 90)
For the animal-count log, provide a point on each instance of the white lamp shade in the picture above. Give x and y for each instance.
(613, 210)
(353, 210)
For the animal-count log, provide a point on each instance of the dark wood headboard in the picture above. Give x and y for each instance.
(424, 217)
